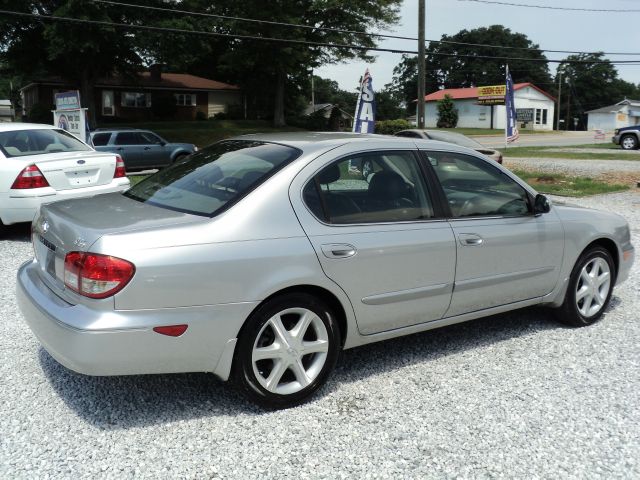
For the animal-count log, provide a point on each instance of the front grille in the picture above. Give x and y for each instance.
(47, 243)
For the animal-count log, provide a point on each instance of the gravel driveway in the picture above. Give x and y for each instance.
(510, 396)
(583, 168)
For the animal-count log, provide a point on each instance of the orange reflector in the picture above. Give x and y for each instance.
(627, 255)
(171, 330)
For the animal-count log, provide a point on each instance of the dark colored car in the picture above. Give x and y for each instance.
(140, 149)
(627, 137)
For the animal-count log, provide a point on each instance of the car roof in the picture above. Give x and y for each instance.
(118, 129)
(13, 126)
(314, 141)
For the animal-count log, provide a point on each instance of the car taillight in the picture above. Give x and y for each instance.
(30, 177)
(96, 276)
(120, 170)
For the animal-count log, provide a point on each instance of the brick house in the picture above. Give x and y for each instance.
(131, 99)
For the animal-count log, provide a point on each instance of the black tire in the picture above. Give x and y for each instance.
(179, 157)
(629, 142)
(569, 312)
(256, 334)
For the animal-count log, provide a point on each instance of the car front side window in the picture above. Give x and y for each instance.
(474, 188)
(370, 188)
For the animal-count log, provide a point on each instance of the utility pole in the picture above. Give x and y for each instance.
(421, 64)
(559, 96)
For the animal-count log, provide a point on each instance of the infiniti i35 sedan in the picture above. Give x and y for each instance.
(261, 257)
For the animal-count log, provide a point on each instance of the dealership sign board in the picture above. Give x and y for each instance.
(70, 116)
(491, 95)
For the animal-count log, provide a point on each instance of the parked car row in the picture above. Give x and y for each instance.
(259, 258)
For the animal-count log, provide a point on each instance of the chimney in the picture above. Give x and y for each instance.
(156, 72)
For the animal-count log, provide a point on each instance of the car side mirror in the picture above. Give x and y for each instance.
(541, 204)
(162, 143)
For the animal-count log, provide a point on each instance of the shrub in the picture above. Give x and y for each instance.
(200, 115)
(447, 113)
(391, 127)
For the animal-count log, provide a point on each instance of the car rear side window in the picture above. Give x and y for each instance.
(216, 177)
(370, 188)
(130, 138)
(100, 139)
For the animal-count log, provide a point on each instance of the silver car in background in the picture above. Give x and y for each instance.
(261, 257)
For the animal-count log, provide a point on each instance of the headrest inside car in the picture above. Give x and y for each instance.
(329, 174)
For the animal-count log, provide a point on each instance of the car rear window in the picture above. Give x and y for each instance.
(211, 180)
(21, 143)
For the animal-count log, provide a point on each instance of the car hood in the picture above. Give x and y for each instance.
(77, 224)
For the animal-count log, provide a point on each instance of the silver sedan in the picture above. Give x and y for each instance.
(260, 258)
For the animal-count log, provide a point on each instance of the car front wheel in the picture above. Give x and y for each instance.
(590, 287)
(629, 142)
(286, 350)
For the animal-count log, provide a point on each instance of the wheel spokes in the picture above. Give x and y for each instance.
(593, 287)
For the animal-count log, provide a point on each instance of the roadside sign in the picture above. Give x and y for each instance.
(70, 116)
(492, 95)
(598, 134)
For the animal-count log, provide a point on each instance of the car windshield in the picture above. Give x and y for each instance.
(211, 180)
(20, 143)
(456, 138)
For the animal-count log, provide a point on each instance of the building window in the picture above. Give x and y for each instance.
(541, 116)
(186, 99)
(107, 103)
(136, 99)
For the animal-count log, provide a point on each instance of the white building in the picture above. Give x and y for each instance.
(623, 114)
(6, 111)
(534, 106)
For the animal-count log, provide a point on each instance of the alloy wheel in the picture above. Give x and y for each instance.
(593, 287)
(290, 351)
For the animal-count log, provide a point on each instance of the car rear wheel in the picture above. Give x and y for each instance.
(629, 142)
(590, 287)
(286, 350)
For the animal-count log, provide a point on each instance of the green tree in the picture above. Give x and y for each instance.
(447, 113)
(455, 65)
(590, 81)
(78, 53)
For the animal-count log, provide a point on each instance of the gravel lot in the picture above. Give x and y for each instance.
(510, 396)
(583, 168)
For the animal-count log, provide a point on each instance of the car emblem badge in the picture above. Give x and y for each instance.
(80, 242)
(44, 226)
(81, 162)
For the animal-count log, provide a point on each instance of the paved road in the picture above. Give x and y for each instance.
(542, 140)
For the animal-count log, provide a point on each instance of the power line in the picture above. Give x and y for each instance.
(548, 7)
(301, 42)
(355, 32)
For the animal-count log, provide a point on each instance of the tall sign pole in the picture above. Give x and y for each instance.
(421, 64)
(559, 96)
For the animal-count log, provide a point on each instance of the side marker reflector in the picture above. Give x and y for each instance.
(171, 330)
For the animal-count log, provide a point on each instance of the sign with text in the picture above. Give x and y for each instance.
(491, 95)
(68, 100)
(72, 121)
(365, 118)
(524, 114)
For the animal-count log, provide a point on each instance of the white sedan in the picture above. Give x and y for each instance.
(41, 164)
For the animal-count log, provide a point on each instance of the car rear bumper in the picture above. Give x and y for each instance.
(79, 337)
(21, 206)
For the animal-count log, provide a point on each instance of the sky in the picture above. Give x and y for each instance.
(552, 29)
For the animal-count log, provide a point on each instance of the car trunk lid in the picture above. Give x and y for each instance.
(75, 225)
(66, 171)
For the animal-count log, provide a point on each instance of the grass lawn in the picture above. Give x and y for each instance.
(205, 132)
(567, 186)
(551, 152)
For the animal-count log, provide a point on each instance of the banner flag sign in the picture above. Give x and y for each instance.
(492, 95)
(511, 133)
(70, 116)
(365, 118)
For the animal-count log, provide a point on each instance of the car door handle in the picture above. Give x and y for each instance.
(119, 149)
(470, 239)
(338, 250)
(147, 148)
